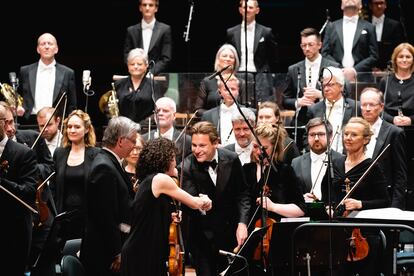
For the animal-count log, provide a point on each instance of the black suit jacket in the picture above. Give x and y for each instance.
(179, 144)
(364, 50)
(108, 205)
(60, 158)
(230, 197)
(64, 81)
(160, 47)
(291, 92)
(394, 161)
(19, 177)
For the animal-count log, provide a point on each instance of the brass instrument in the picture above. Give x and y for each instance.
(109, 103)
(10, 95)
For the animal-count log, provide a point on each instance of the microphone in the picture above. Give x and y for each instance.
(328, 17)
(13, 79)
(151, 64)
(86, 79)
(219, 72)
(321, 74)
(228, 254)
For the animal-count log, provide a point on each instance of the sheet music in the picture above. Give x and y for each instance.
(383, 213)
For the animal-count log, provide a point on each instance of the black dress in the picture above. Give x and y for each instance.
(145, 252)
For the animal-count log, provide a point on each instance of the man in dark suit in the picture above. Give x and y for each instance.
(151, 35)
(107, 200)
(389, 32)
(305, 74)
(166, 110)
(43, 82)
(18, 174)
(261, 50)
(351, 41)
(336, 108)
(215, 172)
(311, 167)
(394, 161)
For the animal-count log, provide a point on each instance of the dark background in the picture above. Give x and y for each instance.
(91, 34)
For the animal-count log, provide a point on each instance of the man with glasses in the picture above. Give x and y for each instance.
(336, 108)
(304, 89)
(394, 162)
(107, 200)
(311, 167)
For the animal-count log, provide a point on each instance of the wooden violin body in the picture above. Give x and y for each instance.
(358, 246)
(262, 250)
(42, 207)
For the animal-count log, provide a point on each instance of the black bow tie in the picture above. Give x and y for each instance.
(212, 163)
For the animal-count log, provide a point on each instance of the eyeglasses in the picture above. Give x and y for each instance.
(364, 105)
(319, 134)
(329, 84)
(310, 44)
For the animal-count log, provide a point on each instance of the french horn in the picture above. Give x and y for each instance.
(10, 96)
(108, 103)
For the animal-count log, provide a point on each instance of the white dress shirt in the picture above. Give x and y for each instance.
(45, 84)
(250, 47)
(3, 144)
(147, 29)
(226, 127)
(54, 143)
(312, 71)
(318, 170)
(335, 115)
(349, 29)
(213, 172)
(378, 22)
(243, 153)
(168, 134)
(371, 145)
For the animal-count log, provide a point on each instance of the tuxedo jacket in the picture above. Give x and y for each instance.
(64, 82)
(230, 198)
(264, 47)
(318, 110)
(160, 47)
(18, 174)
(297, 72)
(108, 205)
(364, 47)
(392, 35)
(60, 159)
(394, 161)
(302, 165)
(185, 140)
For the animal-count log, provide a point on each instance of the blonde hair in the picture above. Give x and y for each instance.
(89, 138)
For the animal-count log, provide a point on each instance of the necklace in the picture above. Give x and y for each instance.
(402, 79)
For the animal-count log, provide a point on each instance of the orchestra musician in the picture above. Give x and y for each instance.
(145, 252)
(130, 163)
(369, 194)
(218, 173)
(51, 133)
(18, 174)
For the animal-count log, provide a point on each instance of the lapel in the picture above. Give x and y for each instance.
(302, 71)
(215, 116)
(339, 31)
(257, 36)
(139, 36)
(382, 137)
(357, 32)
(306, 171)
(59, 75)
(237, 39)
(118, 166)
(223, 172)
(156, 32)
(32, 79)
(347, 112)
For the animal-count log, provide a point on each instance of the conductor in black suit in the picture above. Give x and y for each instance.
(18, 174)
(351, 41)
(151, 35)
(43, 82)
(394, 161)
(261, 49)
(107, 200)
(216, 172)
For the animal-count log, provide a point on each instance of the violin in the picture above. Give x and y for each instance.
(41, 206)
(358, 244)
(176, 256)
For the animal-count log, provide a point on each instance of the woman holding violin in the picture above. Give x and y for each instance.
(72, 162)
(370, 193)
(145, 252)
(281, 193)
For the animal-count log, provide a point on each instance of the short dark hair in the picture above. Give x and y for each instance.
(206, 128)
(317, 121)
(310, 31)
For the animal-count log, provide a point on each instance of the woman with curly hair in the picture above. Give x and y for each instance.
(145, 252)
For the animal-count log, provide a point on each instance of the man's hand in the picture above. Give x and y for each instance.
(241, 234)
(312, 93)
(116, 264)
(402, 121)
(207, 204)
(20, 111)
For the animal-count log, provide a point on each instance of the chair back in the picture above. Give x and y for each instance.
(72, 266)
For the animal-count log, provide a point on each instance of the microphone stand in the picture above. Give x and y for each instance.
(190, 16)
(386, 88)
(151, 75)
(246, 54)
(328, 19)
(297, 108)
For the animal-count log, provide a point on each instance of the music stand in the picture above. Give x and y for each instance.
(316, 211)
(246, 251)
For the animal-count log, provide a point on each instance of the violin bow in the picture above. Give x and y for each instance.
(46, 180)
(362, 177)
(18, 199)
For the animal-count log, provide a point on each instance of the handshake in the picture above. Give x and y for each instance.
(205, 203)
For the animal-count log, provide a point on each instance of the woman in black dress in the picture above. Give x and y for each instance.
(145, 252)
(130, 164)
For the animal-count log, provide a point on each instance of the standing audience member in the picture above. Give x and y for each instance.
(151, 35)
(351, 41)
(311, 167)
(51, 134)
(18, 174)
(336, 108)
(72, 165)
(42, 83)
(148, 241)
(217, 173)
(394, 161)
(135, 93)
(221, 115)
(269, 112)
(244, 136)
(107, 201)
(398, 88)
(166, 110)
(209, 96)
(306, 73)
(261, 50)
(389, 32)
